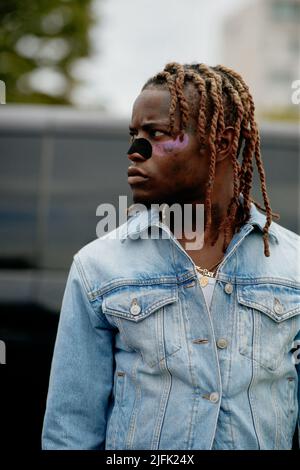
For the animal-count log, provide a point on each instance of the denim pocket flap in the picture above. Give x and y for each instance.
(137, 302)
(278, 301)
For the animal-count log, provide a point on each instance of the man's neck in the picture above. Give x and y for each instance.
(207, 255)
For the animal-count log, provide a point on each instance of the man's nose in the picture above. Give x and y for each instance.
(140, 150)
(136, 157)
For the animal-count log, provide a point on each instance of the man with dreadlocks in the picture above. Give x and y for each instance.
(164, 347)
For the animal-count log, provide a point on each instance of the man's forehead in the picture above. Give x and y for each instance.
(152, 104)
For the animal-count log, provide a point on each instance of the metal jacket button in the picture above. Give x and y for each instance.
(214, 397)
(222, 343)
(278, 307)
(228, 288)
(135, 308)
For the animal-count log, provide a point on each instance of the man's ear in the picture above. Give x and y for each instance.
(224, 144)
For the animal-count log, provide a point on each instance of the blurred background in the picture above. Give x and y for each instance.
(72, 69)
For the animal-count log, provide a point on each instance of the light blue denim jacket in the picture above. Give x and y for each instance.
(138, 362)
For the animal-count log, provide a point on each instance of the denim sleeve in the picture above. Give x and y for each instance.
(81, 377)
(297, 353)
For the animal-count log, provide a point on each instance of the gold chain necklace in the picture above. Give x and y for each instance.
(206, 273)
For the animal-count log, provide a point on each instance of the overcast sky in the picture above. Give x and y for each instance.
(136, 38)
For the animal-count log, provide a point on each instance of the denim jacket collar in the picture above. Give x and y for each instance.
(141, 219)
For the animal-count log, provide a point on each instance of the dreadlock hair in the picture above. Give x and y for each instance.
(218, 97)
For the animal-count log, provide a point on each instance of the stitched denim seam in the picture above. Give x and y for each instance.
(265, 308)
(136, 406)
(82, 274)
(232, 315)
(255, 417)
(148, 310)
(277, 420)
(117, 405)
(168, 281)
(166, 387)
(196, 395)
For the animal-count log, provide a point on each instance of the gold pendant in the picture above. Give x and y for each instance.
(203, 281)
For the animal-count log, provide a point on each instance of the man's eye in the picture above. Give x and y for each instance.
(160, 133)
(152, 133)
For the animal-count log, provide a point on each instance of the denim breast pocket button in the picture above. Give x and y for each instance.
(148, 319)
(278, 308)
(268, 322)
(135, 308)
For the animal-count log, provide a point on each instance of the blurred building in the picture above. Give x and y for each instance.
(262, 42)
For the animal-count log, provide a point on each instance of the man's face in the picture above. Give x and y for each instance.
(177, 170)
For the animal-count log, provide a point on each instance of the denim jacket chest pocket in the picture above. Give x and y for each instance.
(268, 322)
(147, 318)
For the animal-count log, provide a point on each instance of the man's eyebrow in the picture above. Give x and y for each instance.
(149, 125)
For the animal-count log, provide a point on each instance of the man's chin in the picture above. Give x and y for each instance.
(140, 196)
(144, 199)
(143, 202)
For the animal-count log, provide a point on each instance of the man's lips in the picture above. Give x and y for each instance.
(136, 175)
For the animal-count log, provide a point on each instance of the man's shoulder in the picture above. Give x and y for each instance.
(284, 254)
(283, 262)
(102, 261)
(107, 244)
(113, 243)
(285, 236)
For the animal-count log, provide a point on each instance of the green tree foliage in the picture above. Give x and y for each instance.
(40, 40)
